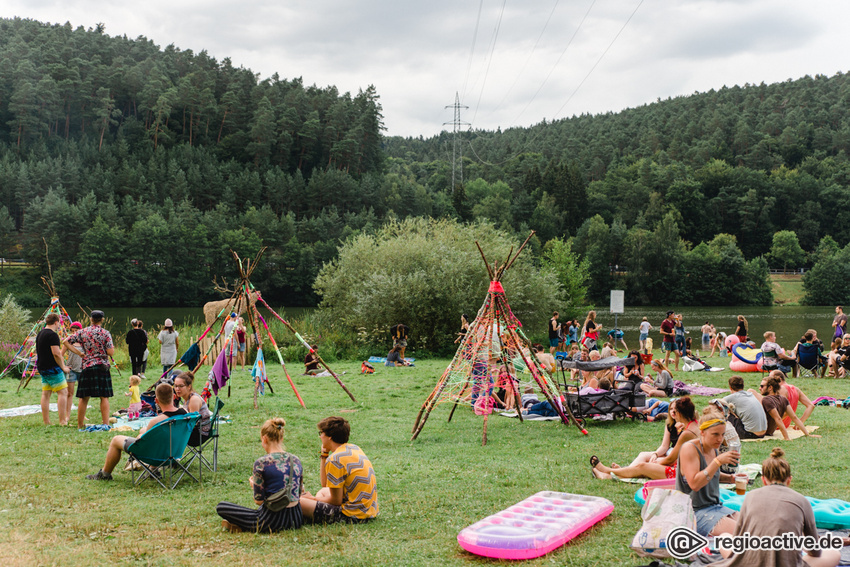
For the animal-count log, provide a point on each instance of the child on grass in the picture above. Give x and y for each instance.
(135, 407)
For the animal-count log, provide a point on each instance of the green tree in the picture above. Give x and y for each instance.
(572, 272)
(786, 250)
(425, 273)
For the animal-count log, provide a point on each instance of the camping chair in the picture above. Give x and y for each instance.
(769, 361)
(161, 448)
(198, 452)
(809, 361)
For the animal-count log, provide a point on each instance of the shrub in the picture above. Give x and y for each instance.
(425, 273)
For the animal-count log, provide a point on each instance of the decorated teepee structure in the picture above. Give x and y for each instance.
(494, 354)
(243, 297)
(25, 357)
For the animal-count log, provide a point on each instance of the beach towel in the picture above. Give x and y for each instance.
(258, 372)
(792, 434)
(191, 357)
(27, 410)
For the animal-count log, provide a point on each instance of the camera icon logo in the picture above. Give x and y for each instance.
(683, 542)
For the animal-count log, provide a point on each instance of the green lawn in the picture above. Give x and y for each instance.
(429, 489)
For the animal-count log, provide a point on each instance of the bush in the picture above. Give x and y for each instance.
(425, 273)
(15, 323)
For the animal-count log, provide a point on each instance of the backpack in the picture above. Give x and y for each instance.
(366, 368)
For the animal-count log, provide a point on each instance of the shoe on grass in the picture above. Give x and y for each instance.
(99, 476)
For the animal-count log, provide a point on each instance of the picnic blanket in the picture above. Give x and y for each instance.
(531, 416)
(383, 359)
(792, 433)
(28, 410)
(697, 389)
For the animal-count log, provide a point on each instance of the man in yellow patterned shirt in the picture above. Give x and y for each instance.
(349, 490)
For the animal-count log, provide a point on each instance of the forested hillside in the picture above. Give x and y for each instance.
(142, 165)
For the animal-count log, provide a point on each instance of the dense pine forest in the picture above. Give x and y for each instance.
(141, 166)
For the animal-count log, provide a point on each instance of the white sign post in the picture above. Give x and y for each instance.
(618, 300)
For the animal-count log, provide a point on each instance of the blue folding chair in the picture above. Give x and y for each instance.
(809, 361)
(161, 448)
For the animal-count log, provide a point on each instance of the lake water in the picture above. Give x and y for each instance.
(789, 323)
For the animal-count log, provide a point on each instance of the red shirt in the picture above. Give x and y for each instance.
(667, 327)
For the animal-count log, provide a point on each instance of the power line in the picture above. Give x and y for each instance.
(490, 58)
(472, 49)
(457, 161)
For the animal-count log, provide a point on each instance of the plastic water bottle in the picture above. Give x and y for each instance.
(733, 443)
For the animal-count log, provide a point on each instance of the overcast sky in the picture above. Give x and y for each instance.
(512, 63)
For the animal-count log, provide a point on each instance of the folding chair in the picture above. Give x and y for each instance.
(769, 361)
(161, 448)
(809, 362)
(198, 452)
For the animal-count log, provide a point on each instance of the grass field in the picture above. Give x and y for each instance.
(429, 489)
(787, 289)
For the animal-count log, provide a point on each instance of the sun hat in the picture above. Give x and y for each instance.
(169, 323)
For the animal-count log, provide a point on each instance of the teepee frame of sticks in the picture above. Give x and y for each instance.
(493, 352)
(242, 293)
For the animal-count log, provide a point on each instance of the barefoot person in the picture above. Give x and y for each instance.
(276, 482)
(52, 367)
(349, 490)
(95, 380)
(119, 443)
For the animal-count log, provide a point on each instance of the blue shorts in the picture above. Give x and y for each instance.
(553, 343)
(708, 517)
(53, 380)
(644, 336)
(242, 347)
(72, 377)
(668, 347)
(706, 339)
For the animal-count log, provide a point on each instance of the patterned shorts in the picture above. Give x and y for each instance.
(329, 514)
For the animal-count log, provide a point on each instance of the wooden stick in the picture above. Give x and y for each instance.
(486, 263)
(518, 252)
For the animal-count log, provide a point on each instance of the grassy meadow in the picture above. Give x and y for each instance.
(429, 489)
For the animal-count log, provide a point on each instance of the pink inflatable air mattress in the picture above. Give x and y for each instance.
(535, 526)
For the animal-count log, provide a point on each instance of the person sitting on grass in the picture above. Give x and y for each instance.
(776, 406)
(276, 481)
(698, 474)
(311, 362)
(795, 396)
(349, 490)
(119, 443)
(746, 414)
(394, 357)
(547, 361)
(772, 511)
(662, 386)
(652, 465)
(653, 408)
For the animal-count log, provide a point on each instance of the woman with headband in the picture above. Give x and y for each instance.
(698, 474)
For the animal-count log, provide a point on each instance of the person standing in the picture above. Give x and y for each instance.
(52, 368)
(706, 334)
(645, 327)
(230, 332)
(553, 333)
(839, 322)
(668, 343)
(241, 342)
(742, 330)
(95, 380)
(679, 336)
(170, 341)
(399, 333)
(137, 342)
(75, 363)
(591, 331)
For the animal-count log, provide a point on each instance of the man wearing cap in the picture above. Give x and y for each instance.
(95, 380)
(668, 342)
